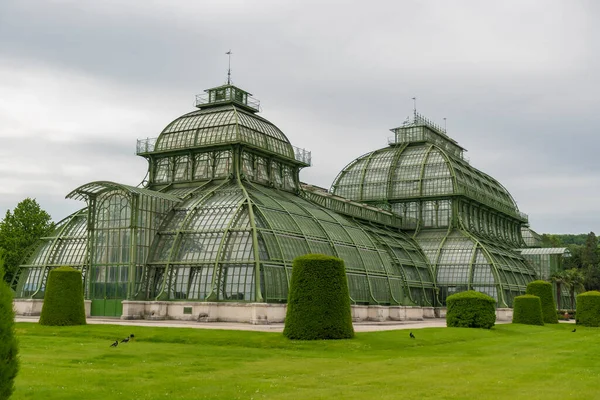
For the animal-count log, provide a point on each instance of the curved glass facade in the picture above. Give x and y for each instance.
(67, 246)
(221, 217)
(222, 125)
(467, 222)
(236, 241)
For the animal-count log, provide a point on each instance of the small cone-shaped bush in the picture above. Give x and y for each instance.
(470, 309)
(63, 301)
(543, 290)
(318, 301)
(588, 309)
(528, 310)
(9, 364)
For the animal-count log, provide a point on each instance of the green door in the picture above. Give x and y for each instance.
(109, 289)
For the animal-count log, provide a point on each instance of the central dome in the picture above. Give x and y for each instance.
(224, 124)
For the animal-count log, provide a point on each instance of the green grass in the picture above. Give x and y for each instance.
(506, 362)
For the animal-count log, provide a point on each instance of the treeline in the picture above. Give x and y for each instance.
(585, 255)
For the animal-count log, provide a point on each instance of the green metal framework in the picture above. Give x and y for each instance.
(221, 218)
(531, 237)
(67, 246)
(236, 241)
(467, 222)
(547, 261)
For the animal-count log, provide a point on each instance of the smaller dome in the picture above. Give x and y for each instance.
(418, 171)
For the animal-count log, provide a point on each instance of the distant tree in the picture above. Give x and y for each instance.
(574, 279)
(550, 240)
(19, 230)
(559, 240)
(592, 277)
(589, 253)
(574, 261)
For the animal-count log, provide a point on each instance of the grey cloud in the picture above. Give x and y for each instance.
(516, 80)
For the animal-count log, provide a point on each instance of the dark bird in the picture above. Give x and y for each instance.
(115, 344)
(127, 338)
(574, 330)
(412, 336)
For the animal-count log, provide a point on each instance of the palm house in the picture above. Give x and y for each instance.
(221, 215)
(467, 223)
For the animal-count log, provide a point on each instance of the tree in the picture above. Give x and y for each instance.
(589, 253)
(575, 279)
(592, 277)
(9, 364)
(19, 230)
(550, 240)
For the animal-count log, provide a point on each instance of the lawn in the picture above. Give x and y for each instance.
(506, 362)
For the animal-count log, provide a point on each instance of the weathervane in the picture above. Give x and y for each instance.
(229, 53)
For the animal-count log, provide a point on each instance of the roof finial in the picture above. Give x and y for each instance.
(229, 53)
(445, 130)
(415, 106)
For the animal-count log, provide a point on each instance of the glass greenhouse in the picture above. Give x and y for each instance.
(222, 214)
(467, 223)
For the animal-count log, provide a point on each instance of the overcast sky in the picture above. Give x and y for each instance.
(518, 81)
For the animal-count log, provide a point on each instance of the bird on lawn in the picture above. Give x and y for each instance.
(127, 338)
(574, 330)
(412, 336)
(115, 344)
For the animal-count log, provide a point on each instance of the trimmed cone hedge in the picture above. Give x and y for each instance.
(528, 310)
(63, 301)
(318, 301)
(9, 364)
(470, 309)
(543, 290)
(588, 309)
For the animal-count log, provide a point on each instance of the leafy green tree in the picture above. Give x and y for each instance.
(9, 363)
(575, 260)
(575, 279)
(550, 240)
(589, 253)
(19, 230)
(592, 277)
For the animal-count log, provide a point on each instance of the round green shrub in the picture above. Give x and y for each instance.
(63, 301)
(9, 364)
(543, 290)
(588, 309)
(318, 301)
(528, 310)
(470, 309)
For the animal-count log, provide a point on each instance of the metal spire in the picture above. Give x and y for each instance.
(229, 53)
(414, 106)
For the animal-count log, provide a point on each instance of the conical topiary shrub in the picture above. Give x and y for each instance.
(527, 310)
(63, 301)
(543, 290)
(9, 364)
(318, 301)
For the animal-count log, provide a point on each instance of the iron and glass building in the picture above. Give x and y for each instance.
(467, 223)
(220, 217)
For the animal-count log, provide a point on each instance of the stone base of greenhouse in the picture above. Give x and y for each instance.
(253, 313)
